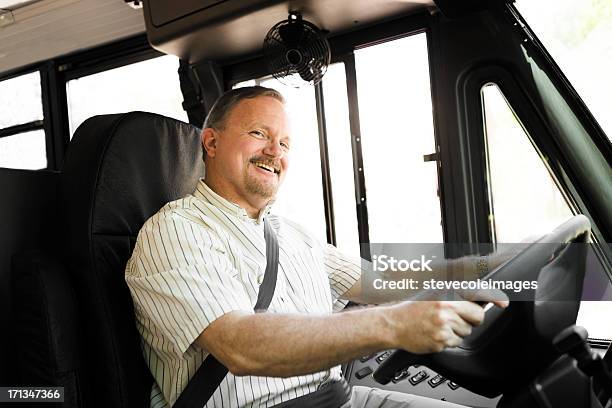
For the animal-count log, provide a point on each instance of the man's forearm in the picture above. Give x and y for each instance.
(283, 345)
(465, 268)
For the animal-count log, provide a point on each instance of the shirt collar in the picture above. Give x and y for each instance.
(202, 191)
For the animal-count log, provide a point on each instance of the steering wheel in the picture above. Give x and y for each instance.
(491, 360)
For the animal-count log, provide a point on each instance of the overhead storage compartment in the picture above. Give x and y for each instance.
(164, 12)
(196, 30)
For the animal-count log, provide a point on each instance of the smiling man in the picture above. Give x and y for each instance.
(198, 263)
(247, 149)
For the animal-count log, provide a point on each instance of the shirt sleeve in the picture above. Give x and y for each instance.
(182, 279)
(343, 272)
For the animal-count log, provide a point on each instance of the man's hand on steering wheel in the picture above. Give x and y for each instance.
(433, 325)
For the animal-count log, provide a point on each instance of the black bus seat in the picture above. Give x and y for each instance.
(47, 341)
(119, 170)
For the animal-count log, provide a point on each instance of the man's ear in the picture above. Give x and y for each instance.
(209, 141)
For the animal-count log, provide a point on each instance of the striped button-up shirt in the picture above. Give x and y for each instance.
(201, 257)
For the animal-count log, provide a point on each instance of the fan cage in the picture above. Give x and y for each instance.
(297, 61)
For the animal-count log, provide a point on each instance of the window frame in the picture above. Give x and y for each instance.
(342, 49)
(55, 74)
(505, 51)
(538, 135)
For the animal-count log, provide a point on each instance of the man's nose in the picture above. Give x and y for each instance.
(273, 148)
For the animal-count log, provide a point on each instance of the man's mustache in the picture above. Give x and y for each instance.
(272, 163)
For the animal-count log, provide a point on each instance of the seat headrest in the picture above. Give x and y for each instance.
(123, 168)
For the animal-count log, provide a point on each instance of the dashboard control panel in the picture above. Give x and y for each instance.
(416, 379)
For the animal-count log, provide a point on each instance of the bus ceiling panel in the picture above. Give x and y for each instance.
(225, 30)
(47, 29)
(458, 9)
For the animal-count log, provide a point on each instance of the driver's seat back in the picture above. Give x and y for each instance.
(119, 171)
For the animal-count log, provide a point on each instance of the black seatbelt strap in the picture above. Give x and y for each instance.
(266, 289)
(210, 374)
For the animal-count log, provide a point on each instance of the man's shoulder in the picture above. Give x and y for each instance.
(181, 221)
(296, 230)
(186, 210)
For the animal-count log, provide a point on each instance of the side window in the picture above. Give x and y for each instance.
(22, 138)
(395, 113)
(524, 197)
(341, 159)
(125, 89)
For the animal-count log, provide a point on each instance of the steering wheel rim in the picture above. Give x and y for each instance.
(472, 364)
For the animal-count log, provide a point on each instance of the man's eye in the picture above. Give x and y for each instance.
(285, 145)
(258, 133)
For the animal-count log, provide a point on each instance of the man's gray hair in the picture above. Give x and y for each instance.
(228, 101)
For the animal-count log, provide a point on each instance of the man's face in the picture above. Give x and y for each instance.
(252, 149)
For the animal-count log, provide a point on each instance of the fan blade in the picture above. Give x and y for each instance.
(291, 34)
